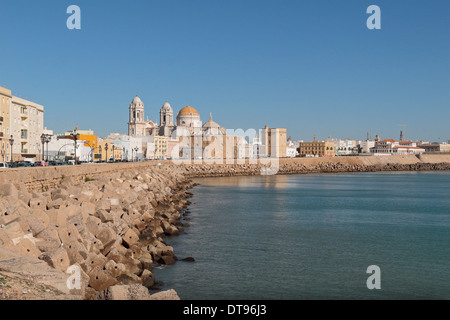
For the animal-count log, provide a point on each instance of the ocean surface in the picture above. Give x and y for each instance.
(314, 236)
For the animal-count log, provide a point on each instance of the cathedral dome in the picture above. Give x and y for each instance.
(166, 106)
(136, 100)
(211, 123)
(188, 111)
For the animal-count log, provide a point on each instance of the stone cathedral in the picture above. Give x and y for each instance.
(188, 118)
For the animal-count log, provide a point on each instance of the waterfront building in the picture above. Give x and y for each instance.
(62, 148)
(161, 149)
(394, 147)
(435, 147)
(26, 126)
(5, 104)
(291, 148)
(366, 145)
(316, 149)
(88, 136)
(274, 142)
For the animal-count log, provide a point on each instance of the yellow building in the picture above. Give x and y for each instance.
(5, 103)
(161, 147)
(91, 140)
(106, 150)
(317, 148)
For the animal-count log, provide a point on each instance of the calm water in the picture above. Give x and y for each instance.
(314, 236)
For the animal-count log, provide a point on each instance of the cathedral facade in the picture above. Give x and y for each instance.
(187, 119)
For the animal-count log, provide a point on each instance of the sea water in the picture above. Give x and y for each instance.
(314, 237)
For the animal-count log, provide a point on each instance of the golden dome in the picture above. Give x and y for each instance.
(188, 111)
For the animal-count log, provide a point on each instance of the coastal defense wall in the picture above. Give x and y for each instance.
(49, 177)
(353, 160)
(435, 158)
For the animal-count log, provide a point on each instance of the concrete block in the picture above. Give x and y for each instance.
(14, 231)
(77, 221)
(5, 240)
(115, 269)
(130, 237)
(104, 215)
(93, 224)
(8, 190)
(27, 248)
(69, 234)
(56, 204)
(59, 194)
(106, 235)
(38, 203)
(57, 259)
(99, 279)
(148, 279)
(92, 261)
(76, 251)
(88, 208)
(103, 205)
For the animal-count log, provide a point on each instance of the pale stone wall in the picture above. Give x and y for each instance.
(47, 178)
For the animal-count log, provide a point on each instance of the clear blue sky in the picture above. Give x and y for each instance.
(310, 66)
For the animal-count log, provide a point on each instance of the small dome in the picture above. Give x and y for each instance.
(136, 100)
(211, 123)
(188, 111)
(166, 106)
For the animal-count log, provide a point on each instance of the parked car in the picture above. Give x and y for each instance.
(3, 165)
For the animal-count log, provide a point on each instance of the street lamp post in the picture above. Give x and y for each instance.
(11, 142)
(75, 137)
(43, 145)
(47, 140)
(106, 149)
(113, 155)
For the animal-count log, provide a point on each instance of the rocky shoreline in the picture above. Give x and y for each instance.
(205, 171)
(111, 226)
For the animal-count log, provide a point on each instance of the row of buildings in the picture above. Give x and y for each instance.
(184, 136)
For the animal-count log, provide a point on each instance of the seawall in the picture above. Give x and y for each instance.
(47, 178)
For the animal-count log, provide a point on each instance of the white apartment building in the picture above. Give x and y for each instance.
(60, 149)
(26, 127)
(345, 147)
(394, 147)
(366, 145)
(129, 145)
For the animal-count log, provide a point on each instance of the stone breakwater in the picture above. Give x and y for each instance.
(322, 165)
(110, 228)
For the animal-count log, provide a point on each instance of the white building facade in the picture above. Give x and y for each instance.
(26, 127)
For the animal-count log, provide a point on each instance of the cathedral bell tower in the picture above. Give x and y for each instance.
(136, 123)
(166, 120)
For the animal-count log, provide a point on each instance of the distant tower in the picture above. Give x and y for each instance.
(401, 136)
(136, 123)
(166, 120)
